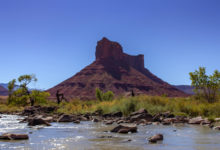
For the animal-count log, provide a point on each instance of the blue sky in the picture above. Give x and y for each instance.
(55, 39)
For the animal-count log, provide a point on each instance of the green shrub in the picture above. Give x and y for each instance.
(98, 94)
(39, 97)
(108, 96)
(128, 106)
(101, 96)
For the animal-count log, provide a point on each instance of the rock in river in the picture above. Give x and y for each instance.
(125, 129)
(37, 121)
(65, 118)
(155, 138)
(196, 120)
(10, 136)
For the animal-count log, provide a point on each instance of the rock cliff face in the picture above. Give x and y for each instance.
(116, 71)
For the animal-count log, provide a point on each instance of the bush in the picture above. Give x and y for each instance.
(101, 96)
(108, 96)
(98, 94)
(39, 96)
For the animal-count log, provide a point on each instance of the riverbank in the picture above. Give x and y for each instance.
(189, 106)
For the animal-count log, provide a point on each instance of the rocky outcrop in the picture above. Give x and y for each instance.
(116, 71)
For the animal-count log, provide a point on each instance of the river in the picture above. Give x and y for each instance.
(93, 136)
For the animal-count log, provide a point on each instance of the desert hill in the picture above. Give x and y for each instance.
(116, 71)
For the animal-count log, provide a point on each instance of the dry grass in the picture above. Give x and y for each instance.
(3, 99)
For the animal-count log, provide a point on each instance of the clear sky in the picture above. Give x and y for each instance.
(55, 39)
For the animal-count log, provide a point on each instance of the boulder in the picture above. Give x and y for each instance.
(216, 128)
(48, 119)
(168, 121)
(37, 121)
(196, 120)
(120, 121)
(155, 138)
(140, 111)
(167, 115)
(12, 136)
(138, 117)
(117, 114)
(65, 118)
(38, 110)
(181, 119)
(157, 118)
(76, 121)
(109, 122)
(95, 120)
(125, 129)
(82, 118)
(205, 122)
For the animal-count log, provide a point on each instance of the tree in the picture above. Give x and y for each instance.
(206, 86)
(24, 81)
(22, 95)
(11, 86)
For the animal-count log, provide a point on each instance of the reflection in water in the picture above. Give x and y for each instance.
(93, 136)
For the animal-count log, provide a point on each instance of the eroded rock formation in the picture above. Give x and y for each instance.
(116, 71)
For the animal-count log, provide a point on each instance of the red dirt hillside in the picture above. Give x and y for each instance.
(116, 71)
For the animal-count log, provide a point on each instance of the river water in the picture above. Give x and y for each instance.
(93, 136)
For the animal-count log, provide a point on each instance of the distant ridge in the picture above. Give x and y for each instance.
(3, 91)
(185, 88)
(116, 71)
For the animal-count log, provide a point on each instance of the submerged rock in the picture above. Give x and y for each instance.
(12, 136)
(155, 138)
(125, 129)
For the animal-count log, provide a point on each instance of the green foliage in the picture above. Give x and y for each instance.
(101, 96)
(22, 96)
(108, 96)
(206, 86)
(98, 94)
(128, 106)
(11, 86)
(39, 97)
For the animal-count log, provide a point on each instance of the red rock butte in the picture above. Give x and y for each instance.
(116, 71)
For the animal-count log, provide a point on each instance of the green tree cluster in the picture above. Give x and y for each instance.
(21, 95)
(206, 86)
(101, 96)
